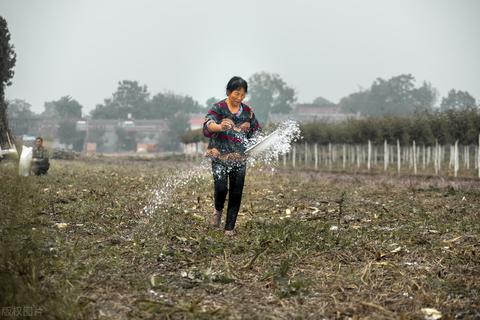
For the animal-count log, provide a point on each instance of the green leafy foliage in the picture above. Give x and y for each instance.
(458, 100)
(66, 108)
(269, 93)
(395, 96)
(68, 134)
(131, 98)
(7, 63)
(66, 111)
(20, 116)
(126, 140)
(127, 99)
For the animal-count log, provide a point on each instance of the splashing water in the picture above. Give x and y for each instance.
(166, 191)
(264, 149)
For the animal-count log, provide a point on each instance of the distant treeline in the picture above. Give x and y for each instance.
(425, 128)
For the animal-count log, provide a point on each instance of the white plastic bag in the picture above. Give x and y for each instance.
(25, 161)
(11, 151)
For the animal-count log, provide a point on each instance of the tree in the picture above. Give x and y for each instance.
(126, 140)
(65, 108)
(66, 111)
(321, 101)
(396, 96)
(68, 134)
(391, 97)
(193, 136)
(211, 101)
(97, 135)
(355, 102)
(7, 63)
(424, 97)
(129, 98)
(268, 93)
(173, 108)
(20, 116)
(458, 100)
(166, 105)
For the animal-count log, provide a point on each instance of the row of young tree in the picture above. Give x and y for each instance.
(424, 128)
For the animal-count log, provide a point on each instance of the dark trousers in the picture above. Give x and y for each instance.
(41, 168)
(228, 177)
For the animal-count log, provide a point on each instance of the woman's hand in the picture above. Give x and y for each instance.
(214, 153)
(226, 124)
(245, 126)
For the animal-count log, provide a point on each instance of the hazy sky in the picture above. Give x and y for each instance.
(320, 48)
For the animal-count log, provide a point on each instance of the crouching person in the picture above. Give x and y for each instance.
(40, 161)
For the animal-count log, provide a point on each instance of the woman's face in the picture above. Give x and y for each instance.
(236, 96)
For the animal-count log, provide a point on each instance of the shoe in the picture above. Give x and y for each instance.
(216, 219)
(230, 233)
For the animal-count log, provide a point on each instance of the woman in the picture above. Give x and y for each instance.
(229, 124)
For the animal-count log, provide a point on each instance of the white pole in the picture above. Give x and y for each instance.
(467, 156)
(369, 157)
(399, 157)
(284, 160)
(306, 155)
(452, 156)
(316, 156)
(334, 153)
(410, 159)
(329, 156)
(357, 149)
(385, 155)
(429, 155)
(344, 156)
(414, 158)
(424, 158)
(441, 157)
(455, 164)
(475, 157)
(294, 155)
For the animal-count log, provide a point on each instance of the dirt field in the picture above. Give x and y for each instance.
(77, 244)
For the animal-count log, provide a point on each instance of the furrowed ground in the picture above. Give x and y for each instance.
(77, 244)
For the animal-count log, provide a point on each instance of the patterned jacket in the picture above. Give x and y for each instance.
(230, 141)
(41, 156)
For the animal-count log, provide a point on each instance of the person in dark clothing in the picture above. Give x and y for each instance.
(40, 161)
(229, 124)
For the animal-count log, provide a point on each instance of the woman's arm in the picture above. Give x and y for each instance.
(225, 124)
(215, 122)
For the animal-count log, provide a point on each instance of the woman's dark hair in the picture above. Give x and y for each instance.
(39, 138)
(236, 83)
